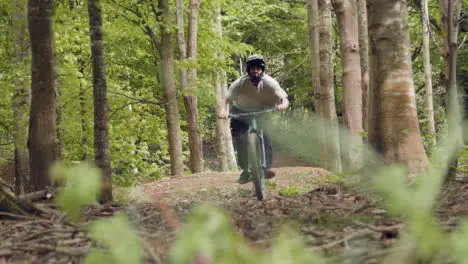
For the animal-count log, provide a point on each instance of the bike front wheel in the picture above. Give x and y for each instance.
(256, 168)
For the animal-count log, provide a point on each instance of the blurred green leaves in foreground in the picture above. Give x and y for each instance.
(81, 187)
(209, 234)
(115, 234)
(117, 243)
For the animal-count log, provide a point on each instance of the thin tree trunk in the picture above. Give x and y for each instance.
(186, 81)
(181, 42)
(452, 90)
(190, 99)
(21, 98)
(84, 127)
(314, 46)
(393, 124)
(226, 148)
(325, 96)
(220, 123)
(232, 159)
(345, 11)
(42, 141)
(450, 13)
(222, 126)
(101, 129)
(60, 142)
(428, 71)
(241, 67)
(364, 56)
(169, 91)
(314, 41)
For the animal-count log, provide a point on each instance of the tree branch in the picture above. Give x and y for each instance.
(462, 43)
(135, 99)
(142, 23)
(416, 52)
(120, 108)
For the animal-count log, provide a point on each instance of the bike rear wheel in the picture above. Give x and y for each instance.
(256, 168)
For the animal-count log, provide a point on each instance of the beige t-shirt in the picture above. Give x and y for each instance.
(246, 97)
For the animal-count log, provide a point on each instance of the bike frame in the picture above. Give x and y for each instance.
(253, 128)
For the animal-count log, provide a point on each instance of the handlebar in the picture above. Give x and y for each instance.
(251, 114)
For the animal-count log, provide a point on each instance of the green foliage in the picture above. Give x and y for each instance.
(245, 192)
(290, 247)
(209, 234)
(117, 235)
(391, 181)
(278, 30)
(82, 186)
(290, 191)
(138, 133)
(459, 241)
(271, 185)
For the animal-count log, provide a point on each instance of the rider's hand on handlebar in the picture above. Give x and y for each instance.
(282, 107)
(223, 115)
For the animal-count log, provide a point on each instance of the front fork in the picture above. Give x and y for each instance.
(262, 141)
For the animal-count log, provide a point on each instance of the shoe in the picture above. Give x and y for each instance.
(269, 174)
(244, 178)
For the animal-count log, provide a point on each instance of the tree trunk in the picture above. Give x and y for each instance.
(345, 11)
(450, 14)
(225, 145)
(314, 41)
(60, 142)
(220, 124)
(101, 129)
(21, 98)
(325, 95)
(190, 99)
(84, 127)
(181, 42)
(232, 159)
(314, 47)
(393, 124)
(364, 56)
(186, 81)
(428, 71)
(169, 91)
(42, 141)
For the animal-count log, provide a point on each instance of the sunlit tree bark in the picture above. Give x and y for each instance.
(450, 14)
(428, 71)
(169, 90)
(325, 95)
(364, 56)
(393, 124)
(345, 11)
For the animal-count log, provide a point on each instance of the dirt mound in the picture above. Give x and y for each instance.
(332, 218)
(211, 186)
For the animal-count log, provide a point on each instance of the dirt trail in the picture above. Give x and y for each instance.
(306, 195)
(213, 186)
(332, 218)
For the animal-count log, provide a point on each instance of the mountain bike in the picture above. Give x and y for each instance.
(256, 151)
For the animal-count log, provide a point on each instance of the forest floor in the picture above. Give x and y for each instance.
(333, 218)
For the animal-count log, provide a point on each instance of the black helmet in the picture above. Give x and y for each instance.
(255, 60)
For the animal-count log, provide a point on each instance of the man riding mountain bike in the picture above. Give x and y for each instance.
(255, 91)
